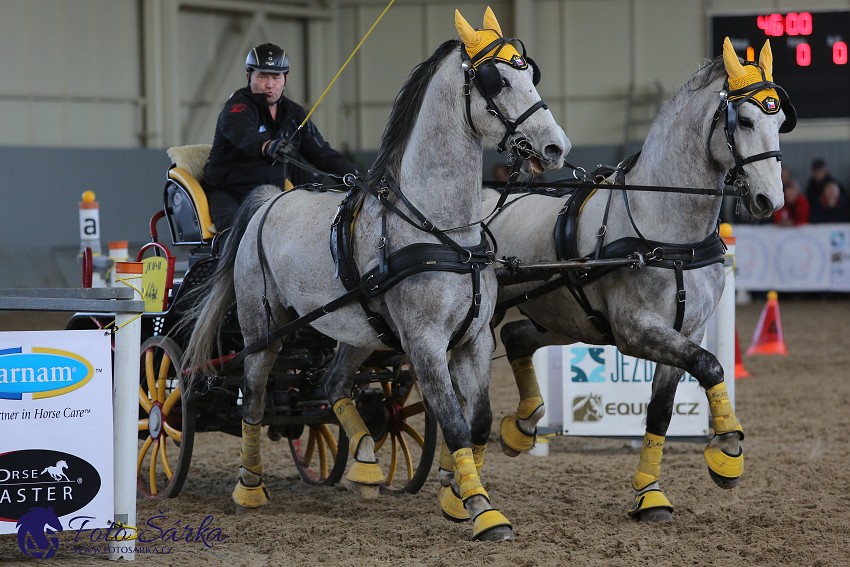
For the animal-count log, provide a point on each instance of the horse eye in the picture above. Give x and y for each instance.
(745, 122)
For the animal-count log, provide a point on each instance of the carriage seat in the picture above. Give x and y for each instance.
(186, 206)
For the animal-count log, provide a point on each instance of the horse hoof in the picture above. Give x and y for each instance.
(722, 481)
(512, 439)
(719, 461)
(451, 506)
(508, 450)
(655, 515)
(365, 491)
(502, 533)
(250, 497)
(491, 525)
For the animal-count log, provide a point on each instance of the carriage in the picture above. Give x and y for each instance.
(298, 412)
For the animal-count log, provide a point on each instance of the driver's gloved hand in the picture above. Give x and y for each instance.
(279, 149)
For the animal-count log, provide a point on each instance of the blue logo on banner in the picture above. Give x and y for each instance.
(37, 533)
(44, 372)
(591, 370)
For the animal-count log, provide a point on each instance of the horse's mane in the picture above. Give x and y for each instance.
(704, 76)
(701, 79)
(404, 113)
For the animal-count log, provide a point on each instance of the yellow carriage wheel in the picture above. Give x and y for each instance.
(318, 451)
(166, 421)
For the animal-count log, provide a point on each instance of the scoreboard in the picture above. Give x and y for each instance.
(810, 54)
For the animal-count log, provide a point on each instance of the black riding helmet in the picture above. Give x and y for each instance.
(267, 58)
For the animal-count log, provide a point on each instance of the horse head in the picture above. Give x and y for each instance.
(504, 106)
(750, 148)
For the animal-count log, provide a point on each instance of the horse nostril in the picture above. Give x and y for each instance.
(764, 204)
(553, 152)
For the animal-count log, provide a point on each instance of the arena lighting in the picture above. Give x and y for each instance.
(810, 54)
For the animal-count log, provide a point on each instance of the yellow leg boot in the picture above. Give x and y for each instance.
(488, 520)
(648, 495)
(366, 473)
(250, 492)
(724, 454)
(513, 436)
(448, 495)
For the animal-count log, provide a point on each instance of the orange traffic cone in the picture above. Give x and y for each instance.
(740, 371)
(768, 338)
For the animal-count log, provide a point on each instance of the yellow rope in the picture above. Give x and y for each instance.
(344, 65)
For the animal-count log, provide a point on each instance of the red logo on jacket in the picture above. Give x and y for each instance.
(239, 107)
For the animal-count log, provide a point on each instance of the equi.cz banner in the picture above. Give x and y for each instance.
(56, 423)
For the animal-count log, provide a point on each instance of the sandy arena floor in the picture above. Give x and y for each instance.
(791, 508)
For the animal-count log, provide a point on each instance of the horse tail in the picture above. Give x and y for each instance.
(211, 300)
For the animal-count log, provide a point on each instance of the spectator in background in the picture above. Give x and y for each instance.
(820, 176)
(795, 211)
(787, 175)
(831, 206)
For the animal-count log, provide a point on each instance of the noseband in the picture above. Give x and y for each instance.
(728, 108)
(488, 81)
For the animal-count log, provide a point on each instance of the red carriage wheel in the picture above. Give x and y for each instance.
(166, 421)
(406, 440)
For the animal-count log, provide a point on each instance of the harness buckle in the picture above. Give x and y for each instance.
(655, 254)
(467, 89)
(468, 258)
(348, 179)
(382, 241)
(602, 230)
(681, 294)
(372, 287)
(476, 300)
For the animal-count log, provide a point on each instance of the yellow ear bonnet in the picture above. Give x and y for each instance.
(742, 76)
(475, 41)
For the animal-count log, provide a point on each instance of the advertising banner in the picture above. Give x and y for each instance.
(605, 393)
(813, 257)
(56, 447)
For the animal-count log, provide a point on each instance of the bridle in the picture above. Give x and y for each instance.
(488, 81)
(728, 108)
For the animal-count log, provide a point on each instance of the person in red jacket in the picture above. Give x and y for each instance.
(795, 211)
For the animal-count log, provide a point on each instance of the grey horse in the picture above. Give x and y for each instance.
(704, 137)
(430, 161)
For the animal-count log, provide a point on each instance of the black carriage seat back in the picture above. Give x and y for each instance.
(186, 206)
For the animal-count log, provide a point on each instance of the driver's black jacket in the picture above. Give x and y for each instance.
(236, 164)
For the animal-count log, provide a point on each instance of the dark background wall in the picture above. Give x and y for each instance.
(41, 190)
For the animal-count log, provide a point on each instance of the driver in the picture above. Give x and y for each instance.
(252, 138)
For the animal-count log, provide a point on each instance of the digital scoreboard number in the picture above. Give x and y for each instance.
(810, 55)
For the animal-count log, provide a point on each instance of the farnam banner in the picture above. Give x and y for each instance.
(56, 453)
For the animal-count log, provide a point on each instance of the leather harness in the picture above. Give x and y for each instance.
(678, 257)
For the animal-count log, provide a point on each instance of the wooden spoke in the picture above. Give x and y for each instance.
(407, 458)
(171, 432)
(164, 454)
(329, 439)
(172, 399)
(323, 456)
(149, 374)
(152, 468)
(143, 425)
(164, 367)
(144, 401)
(413, 434)
(308, 452)
(393, 462)
(413, 409)
(142, 452)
